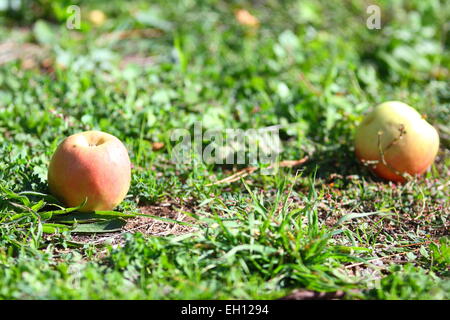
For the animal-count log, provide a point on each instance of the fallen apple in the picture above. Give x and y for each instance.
(90, 165)
(396, 142)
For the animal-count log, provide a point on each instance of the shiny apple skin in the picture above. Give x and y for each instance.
(409, 143)
(93, 165)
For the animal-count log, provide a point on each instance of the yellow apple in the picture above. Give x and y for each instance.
(395, 141)
(90, 165)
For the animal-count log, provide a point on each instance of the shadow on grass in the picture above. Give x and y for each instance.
(329, 162)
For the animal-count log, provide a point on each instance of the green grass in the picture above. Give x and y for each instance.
(311, 67)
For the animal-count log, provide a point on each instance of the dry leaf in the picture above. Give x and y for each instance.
(157, 146)
(246, 18)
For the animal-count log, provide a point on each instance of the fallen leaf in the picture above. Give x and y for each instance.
(157, 146)
(246, 18)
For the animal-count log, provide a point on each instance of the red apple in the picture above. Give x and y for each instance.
(396, 141)
(93, 165)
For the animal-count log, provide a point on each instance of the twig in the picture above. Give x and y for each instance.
(404, 175)
(249, 170)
